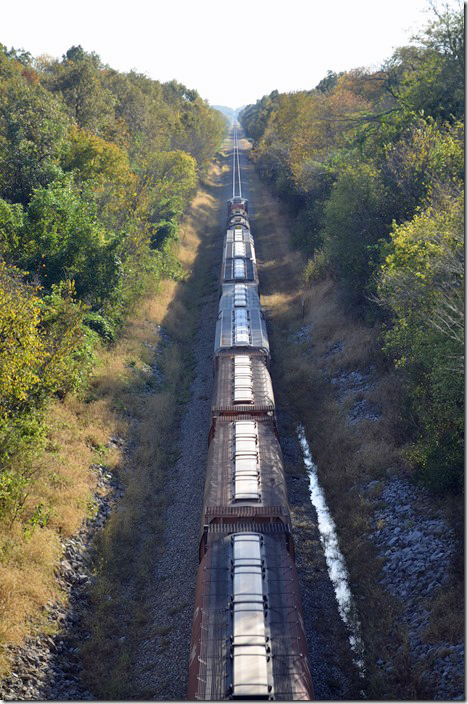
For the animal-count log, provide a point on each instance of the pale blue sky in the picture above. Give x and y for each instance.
(231, 56)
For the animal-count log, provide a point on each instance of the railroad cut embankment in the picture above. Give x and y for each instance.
(401, 543)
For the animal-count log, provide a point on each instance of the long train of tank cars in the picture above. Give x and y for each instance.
(248, 638)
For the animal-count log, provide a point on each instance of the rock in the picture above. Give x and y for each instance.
(417, 550)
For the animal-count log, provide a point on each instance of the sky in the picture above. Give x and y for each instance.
(231, 53)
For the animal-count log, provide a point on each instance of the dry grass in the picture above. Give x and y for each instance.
(131, 539)
(77, 434)
(446, 624)
(25, 580)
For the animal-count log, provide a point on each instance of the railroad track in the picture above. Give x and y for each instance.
(248, 638)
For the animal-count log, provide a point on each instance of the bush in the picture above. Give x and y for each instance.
(165, 230)
(22, 439)
(317, 268)
(63, 240)
(422, 285)
(103, 326)
(355, 221)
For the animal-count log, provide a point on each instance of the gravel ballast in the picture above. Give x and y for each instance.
(161, 662)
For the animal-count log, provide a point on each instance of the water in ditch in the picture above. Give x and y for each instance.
(336, 566)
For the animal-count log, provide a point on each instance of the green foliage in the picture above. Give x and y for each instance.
(103, 326)
(32, 132)
(317, 268)
(42, 352)
(21, 343)
(307, 232)
(255, 118)
(21, 439)
(69, 357)
(40, 342)
(164, 232)
(173, 178)
(428, 77)
(97, 168)
(78, 79)
(11, 224)
(422, 284)
(355, 221)
(427, 156)
(94, 159)
(200, 129)
(328, 83)
(143, 119)
(63, 240)
(401, 122)
(371, 165)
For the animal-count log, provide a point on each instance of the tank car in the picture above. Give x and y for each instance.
(238, 243)
(248, 637)
(241, 328)
(242, 385)
(244, 475)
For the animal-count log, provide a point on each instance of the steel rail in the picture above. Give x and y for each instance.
(238, 164)
(234, 163)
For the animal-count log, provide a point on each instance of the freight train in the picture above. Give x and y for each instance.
(248, 638)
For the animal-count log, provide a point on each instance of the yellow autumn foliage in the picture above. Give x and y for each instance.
(21, 343)
(39, 340)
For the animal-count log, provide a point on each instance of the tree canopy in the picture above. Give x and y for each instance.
(97, 167)
(371, 167)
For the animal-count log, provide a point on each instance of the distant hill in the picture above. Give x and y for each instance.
(228, 112)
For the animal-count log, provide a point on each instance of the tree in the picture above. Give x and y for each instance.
(328, 83)
(103, 170)
(355, 221)
(78, 79)
(43, 351)
(200, 128)
(33, 128)
(174, 180)
(11, 224)
(21, 343)
(63, 240)
(426, 157)
(428, 77)
(143, 119)
(422, 285)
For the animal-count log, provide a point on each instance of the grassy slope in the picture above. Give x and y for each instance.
(130, 542)
(117, 404)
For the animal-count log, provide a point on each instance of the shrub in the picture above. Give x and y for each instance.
(317, 268)
(422, 285)
(103, 326)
